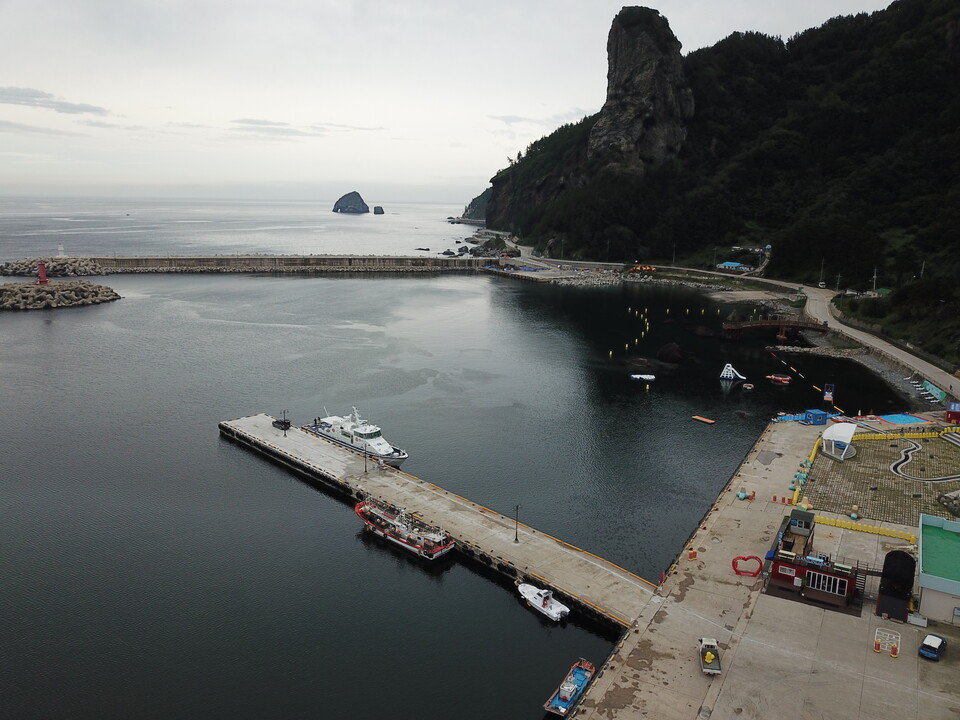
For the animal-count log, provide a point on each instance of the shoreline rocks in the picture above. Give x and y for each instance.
(56, 267)
(63, 294)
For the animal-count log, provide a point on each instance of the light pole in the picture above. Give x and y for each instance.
(674, 254)
(516, 525)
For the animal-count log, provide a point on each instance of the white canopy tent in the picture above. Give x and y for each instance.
(837, 440)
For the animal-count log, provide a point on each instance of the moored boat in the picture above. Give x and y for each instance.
(643, 377)
(542, 600)
(571, 688)
(399, 527)
(357, 434)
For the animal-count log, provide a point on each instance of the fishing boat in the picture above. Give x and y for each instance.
(571, 688)
(542, 600)
(403, 529)
(779, 379)
(357, 434)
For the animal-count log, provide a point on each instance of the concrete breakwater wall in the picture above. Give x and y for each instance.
(86, 266)
(286, 263)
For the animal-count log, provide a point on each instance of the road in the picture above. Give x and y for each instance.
(818, 307)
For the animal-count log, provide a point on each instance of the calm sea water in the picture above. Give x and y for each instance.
(152, 570)
(32, 228)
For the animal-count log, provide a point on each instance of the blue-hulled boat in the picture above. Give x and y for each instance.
(571, 688)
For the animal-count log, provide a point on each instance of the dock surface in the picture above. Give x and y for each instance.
(598, 586)
(822, 661)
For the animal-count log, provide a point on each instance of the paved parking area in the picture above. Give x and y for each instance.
(780, 658)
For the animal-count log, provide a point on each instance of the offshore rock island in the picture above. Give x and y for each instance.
(352, 204)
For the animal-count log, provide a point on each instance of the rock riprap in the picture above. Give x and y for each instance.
(56, 267)
(61, 294)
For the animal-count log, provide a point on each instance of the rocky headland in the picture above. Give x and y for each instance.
(59, 294)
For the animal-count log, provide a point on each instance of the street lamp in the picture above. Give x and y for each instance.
(516, 525)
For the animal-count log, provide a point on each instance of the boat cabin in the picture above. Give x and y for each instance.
(797, 568)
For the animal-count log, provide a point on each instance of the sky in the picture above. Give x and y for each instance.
(401, 100)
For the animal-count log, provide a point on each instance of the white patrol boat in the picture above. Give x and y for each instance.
(542, 600)
(359, 435)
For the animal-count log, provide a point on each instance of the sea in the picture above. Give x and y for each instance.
(151, 569)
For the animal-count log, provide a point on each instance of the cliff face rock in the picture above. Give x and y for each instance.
(351, 203)
(30, 296)
(642, 120)
(642, 123)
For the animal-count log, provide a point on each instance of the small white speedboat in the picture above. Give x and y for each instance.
(643, 377)
(543, 601)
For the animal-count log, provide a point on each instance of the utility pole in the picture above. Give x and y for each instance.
(822, 260)
(838, 282)
(675, 255)
(922, 266)
(874, 279)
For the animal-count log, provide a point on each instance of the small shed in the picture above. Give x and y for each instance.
(816, 417)
(937, 551)
(953, 413)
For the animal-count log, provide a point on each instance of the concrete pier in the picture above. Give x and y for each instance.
(778, 656)
(286, 263)
(590, 584)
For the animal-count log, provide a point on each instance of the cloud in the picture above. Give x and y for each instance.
(260, 123)
(111, 126)
(12, 127)
(269, 129)
(39, 99)
(515, 119)
(570, 116)
(272, 129)
(335, 126)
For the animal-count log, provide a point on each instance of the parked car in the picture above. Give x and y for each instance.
(932, 647)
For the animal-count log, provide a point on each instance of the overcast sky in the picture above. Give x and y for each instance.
(403, 100)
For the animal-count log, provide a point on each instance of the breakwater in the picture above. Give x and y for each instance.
(33, 296)
(105, 265)
(286, 263)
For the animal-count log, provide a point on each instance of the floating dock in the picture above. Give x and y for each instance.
(594, 586)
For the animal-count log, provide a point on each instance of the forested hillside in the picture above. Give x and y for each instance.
(839, 147)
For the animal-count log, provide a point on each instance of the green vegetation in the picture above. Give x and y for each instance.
(477, 209)
(840, 148)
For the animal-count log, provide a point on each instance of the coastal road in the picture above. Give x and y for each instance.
(819, 307)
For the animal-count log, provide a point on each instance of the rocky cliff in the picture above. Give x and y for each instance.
(642, 123)
(642, 119)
